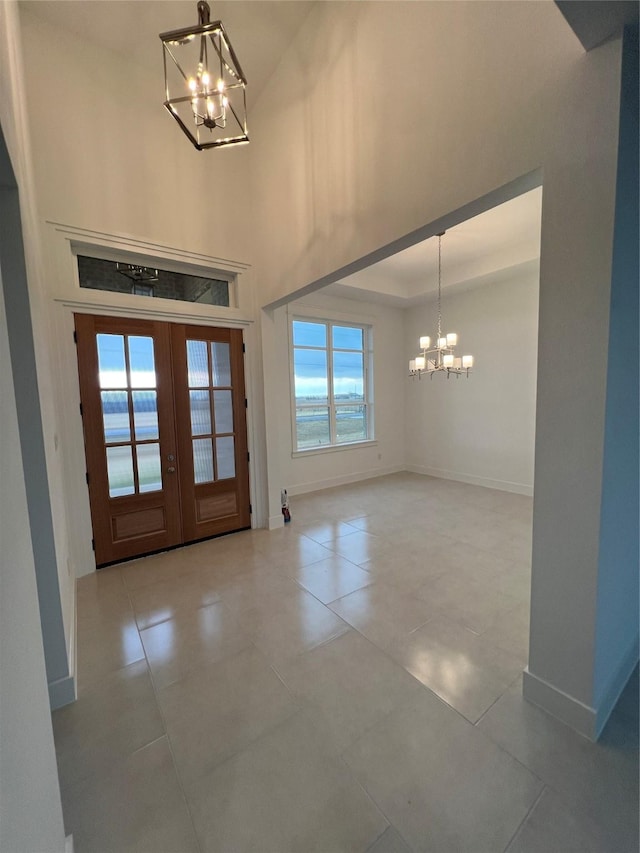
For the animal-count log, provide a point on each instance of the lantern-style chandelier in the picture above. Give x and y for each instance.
(440, 358)
(204, 83)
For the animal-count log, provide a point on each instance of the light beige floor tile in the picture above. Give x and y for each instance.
(359, 547)
(390, 842)
(552, 828)
(383, 614)
(443, 784)
(102, 594)
(164, 600)
(511, 632)
(262, 589)
(599, 779)
(288, 548)
(176, 646)
(159, 567)
(406, 571)
(459, 666)
(219, 709)
(110, 720)
(284, 793)
(106, 643)
(138, 807)
(350, 685)
(324, 532)
(294, 624)
(471, 603)
(331, 578)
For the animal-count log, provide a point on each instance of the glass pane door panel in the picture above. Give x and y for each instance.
(223, 411)
(348, 376)
(149, 474)
(120, 471)
(221, 364)
(312, 426)
(351, 423)
(111, 363)
(310, 369)
(145, 415)
(115, 416)
(141, 363)
(197, 364)
(200, 412)
(203, 460)
(225, 457)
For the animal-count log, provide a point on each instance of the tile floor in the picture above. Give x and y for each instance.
(349, 683)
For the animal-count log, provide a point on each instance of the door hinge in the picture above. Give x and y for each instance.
(81, 412)
(75, 337)
(244, 349)
(93, 544)
(250, 509)
(248, 457)
(246, 403)
(86, 476)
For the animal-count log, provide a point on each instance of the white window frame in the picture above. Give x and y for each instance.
(308, 315)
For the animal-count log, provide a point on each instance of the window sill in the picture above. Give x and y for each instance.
(332, 448)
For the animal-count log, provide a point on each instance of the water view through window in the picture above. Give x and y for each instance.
(330, 387)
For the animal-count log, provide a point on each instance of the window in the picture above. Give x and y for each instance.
(331, 379)
(120, 277)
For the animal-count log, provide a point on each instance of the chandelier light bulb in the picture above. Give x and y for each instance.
(420, 362)
(467, 361)
(447, 360)
(442, 343)
(412, 365)
(452, 339)
(425, 342)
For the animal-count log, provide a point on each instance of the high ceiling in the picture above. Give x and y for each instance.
(485, 246)
(260, 31)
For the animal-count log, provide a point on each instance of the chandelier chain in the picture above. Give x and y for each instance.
(439, 286)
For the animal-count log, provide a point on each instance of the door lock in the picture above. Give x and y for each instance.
(170, 457)
(171, 469)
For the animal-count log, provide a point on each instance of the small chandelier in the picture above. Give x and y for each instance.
(204, 83)
(440, 358)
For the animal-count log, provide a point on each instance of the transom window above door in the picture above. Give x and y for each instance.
(331, 379)
(138, 280)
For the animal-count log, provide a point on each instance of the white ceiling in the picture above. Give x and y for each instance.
(260, 30)
(482, 247)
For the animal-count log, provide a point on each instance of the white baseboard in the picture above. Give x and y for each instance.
(560, 705)
(617, 683)
(68, 844)
(275, 521)
(487, 482)
(344, 480)
(62, 692)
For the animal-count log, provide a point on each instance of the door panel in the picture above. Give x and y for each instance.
(129, 435)
(208, 369)
(165, 433)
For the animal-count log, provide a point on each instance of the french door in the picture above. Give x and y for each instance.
(163, 410)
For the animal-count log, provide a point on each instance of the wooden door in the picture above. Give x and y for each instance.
(208, 370)
(127, 409)
(165, 433)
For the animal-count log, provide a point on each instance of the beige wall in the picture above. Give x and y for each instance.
(482, 429)
(30, 808)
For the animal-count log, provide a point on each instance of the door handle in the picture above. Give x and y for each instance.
(171, 469)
